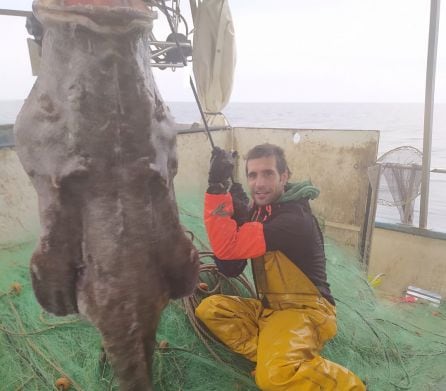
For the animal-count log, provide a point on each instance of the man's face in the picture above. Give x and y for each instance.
(264, 181)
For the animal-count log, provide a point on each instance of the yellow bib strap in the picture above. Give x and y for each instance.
(281, 284)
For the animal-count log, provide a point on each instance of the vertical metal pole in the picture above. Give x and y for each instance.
(428, 109)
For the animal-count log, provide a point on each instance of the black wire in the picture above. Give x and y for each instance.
(201, 112)
(164, 9)
(174, 34)
(197, 100)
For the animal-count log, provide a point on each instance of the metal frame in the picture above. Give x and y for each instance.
(429, 109)
(9, 12)
(411, 230)
(166, 46)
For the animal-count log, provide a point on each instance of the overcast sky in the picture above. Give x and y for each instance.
(294, 51)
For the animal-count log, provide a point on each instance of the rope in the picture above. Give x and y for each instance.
(220, 284)
(40, 353)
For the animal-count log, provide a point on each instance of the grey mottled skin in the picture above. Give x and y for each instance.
(97, 142)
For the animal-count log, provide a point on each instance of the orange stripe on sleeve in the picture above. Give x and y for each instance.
(226, 239)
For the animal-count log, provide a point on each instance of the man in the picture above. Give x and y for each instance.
(283, 330)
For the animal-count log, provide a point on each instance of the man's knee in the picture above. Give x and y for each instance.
(315, 374)
(202, 309)
(207, 308)
(275, 375)
(286, 376)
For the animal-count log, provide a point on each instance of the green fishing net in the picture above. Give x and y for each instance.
(390, 344)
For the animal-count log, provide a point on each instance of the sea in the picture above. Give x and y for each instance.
(400, 124)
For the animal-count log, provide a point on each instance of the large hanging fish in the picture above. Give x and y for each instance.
(98, 144)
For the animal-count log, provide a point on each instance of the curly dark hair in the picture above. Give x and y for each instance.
(266, 150)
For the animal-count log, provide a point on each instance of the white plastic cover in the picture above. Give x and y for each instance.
(214, 53)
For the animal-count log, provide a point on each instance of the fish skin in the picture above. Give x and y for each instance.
(98, 144)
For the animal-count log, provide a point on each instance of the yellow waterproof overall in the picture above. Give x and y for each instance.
(283, 332)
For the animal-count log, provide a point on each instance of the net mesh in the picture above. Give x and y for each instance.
(400, 182)
(390, 344)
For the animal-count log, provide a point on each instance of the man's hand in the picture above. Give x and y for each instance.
(231, 268)
(240, 202)
(221, 167)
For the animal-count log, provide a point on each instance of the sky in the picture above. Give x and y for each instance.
(292, 51)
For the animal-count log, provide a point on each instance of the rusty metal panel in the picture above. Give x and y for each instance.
(19, 221)
(194, 152)
(408, 259)
(336, 161)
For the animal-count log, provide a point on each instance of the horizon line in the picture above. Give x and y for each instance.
(346, 102)
(313, 102)
(282, 102)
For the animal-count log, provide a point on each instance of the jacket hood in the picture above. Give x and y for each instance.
(299, 190)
